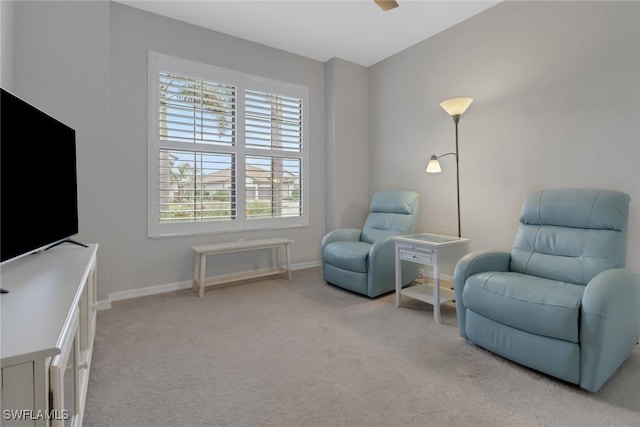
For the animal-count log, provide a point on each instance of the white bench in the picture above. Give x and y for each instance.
(200, 280)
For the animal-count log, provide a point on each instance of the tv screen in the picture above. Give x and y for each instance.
(38, 184)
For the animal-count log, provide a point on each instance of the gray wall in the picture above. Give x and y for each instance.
(6, 45)
(140, 261)
(61, 65)
(86, 64)
(557, 103)
(348, 158)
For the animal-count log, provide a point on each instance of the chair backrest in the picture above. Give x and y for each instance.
(571, 234)
(391, 213)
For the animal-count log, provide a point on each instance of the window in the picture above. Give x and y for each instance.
(227, 150)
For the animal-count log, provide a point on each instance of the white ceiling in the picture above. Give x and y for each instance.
(354, 30)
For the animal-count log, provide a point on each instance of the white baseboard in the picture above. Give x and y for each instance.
(150, 290)
(104, 304)
(305, 265)
(177, 286)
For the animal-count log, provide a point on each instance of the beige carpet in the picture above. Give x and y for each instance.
(304, 353)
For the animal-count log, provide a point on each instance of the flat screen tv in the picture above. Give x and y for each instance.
(38, 184)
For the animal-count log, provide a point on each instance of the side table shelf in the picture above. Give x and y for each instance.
(441, 253)
(424, 293)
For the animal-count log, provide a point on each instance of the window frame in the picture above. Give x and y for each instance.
(242, 81)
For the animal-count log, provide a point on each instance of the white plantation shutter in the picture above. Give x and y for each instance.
(274, 123)
(194, 110)
(218, 162)
(196, 186)
(273, 185)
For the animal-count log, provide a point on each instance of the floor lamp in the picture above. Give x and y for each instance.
(455, 107)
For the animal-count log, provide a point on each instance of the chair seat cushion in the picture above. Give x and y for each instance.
(347, 255)
(533, 304)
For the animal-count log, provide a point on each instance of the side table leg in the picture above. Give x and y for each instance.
(398, 277)
(436, 292)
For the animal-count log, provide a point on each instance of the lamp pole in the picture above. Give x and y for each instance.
(456, 119)
(455, 107)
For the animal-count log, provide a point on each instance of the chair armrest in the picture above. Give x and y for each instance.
(468, 265)
(609, 324)
(608, 286)
(349, 234)
(383, 249)
(381, 269)
(477, 262)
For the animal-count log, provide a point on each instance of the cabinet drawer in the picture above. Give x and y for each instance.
(424, 257)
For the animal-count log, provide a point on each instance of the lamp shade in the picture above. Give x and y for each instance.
(456, 106)
(434, 165)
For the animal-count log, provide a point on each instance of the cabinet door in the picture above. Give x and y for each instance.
(92, 292)
(18, 395)
(64, 378)
(86, 333)
(88, 313)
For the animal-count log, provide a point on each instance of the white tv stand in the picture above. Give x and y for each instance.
(48, 323)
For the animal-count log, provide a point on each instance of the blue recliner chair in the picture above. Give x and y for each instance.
(561, 302)
(363, 260)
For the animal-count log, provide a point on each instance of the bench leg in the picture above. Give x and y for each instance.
(196, 271)
(203, 271)
(279, 258)
(288, 259)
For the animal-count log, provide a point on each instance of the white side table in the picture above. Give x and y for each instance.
(441, 253)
